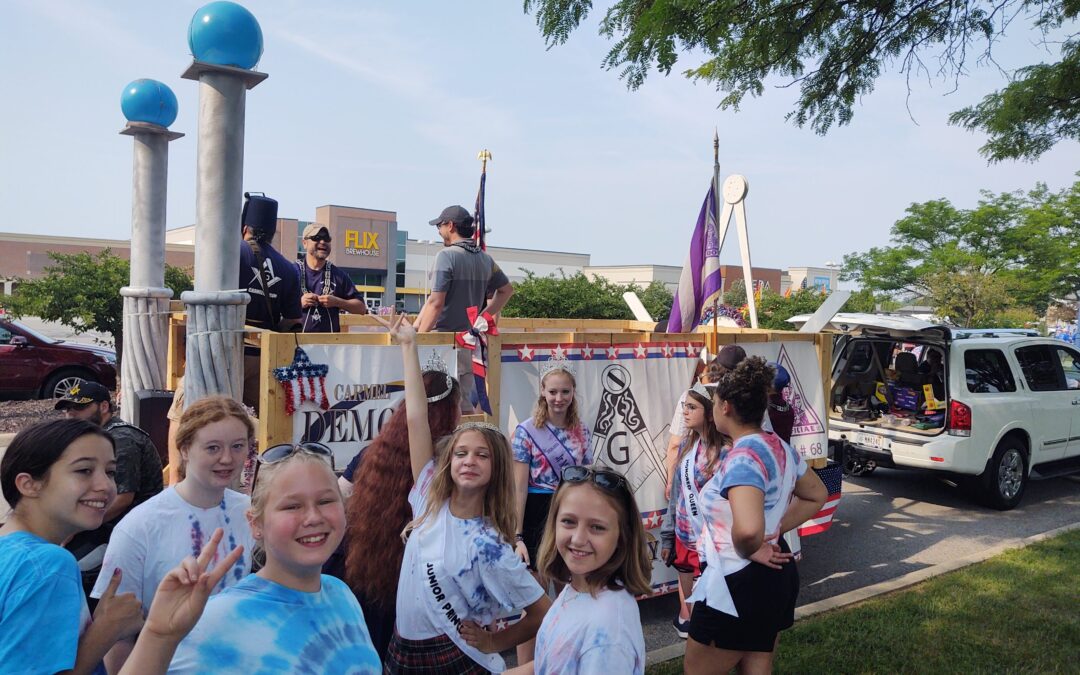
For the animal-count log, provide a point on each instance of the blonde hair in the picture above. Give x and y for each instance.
(260, 492)
(499, 494)
(629, 566)
(540, 412)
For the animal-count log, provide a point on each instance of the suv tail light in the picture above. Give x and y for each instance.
(959, 423)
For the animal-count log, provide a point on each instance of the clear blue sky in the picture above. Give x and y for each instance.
(386, 106)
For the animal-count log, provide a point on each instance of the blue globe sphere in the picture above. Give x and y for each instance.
(149, 101)
(225, 34)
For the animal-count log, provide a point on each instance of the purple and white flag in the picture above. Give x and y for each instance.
(699, 284)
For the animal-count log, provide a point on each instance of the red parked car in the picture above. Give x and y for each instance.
(33, 365)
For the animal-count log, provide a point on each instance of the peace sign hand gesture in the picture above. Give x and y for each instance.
(181, 596)
(400, 328)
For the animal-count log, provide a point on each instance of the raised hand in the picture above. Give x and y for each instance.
(181, 596)
(399, 326)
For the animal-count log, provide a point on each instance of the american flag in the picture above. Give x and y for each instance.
(478, 217)
(832, 476)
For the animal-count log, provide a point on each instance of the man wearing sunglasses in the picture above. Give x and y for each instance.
(325, 290)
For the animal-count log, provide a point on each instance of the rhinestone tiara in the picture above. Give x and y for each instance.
(465, 426)
(436, 364)
(556, 364)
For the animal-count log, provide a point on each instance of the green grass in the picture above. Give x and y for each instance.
(1018, 612)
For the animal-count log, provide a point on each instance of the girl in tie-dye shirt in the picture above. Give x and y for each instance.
(594, 542)
(746, 594)
(288, 617)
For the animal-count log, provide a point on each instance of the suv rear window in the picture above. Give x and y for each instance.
(987, 372)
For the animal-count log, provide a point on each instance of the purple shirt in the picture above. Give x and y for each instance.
(325, 319)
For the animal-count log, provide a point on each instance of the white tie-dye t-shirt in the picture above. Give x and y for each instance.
(258, 626)
(585, 634)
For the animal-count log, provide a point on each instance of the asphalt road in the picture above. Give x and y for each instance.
(895, 522)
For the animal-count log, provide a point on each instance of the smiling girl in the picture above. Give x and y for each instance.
(58, 478)
(459, 572)
(213, 438)
(594, 540)
(697, 462)
(287, 617)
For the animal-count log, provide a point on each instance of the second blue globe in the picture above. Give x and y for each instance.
(225, 34)
(149, 101)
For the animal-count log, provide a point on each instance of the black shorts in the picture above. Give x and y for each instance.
(537, 505)
(765, 600)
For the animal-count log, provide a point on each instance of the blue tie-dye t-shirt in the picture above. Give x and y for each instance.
(584, 634)
(258, 626)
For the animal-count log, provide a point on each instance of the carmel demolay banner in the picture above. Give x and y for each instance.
(364, 385)
(626, 396)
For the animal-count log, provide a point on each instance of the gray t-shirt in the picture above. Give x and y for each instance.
(468, 276)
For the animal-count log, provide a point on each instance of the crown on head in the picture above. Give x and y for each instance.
(465, 426)
(436, 364)
(552, 365)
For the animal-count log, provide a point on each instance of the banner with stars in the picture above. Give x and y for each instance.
(626, 395)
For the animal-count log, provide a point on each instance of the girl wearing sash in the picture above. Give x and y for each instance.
(594, 542)
(699, 457)
(746, 594)
(459, 573)
(288, 617)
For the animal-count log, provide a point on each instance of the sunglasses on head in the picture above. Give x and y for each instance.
(604, 478)
(279, 453)
(320, 237)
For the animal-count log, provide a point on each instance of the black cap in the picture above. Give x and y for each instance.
(730, 356)
(82, 393)
(453, 214)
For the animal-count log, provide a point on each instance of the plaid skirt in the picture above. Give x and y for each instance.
(433, 656)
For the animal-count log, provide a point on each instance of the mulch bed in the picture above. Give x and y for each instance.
(17, 415)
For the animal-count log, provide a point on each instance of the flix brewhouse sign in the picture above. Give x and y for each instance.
(360, 242)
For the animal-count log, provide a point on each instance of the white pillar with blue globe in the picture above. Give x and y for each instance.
(226, 41)
(150, 107)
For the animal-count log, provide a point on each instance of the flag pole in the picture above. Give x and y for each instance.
(716, 214)
(481, 224)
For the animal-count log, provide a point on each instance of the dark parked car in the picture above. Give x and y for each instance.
(37, 366)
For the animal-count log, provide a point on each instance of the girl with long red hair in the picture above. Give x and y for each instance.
(378, 509)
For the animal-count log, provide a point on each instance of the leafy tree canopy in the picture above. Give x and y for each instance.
(774, 309)
(582, 297)
(1013, 250)
(835, 51)
(83, 292)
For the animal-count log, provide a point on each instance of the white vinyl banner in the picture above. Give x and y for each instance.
(626, 396)
(805, 393)
(364, 385)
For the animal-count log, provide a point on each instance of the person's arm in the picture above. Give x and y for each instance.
(520, 632)
(117, 617)
(521, 493)
(667, 528)
(119, 505)
(431, 311)
(810, 496)
(421, 449)
(178, 603)
(670, 457)
(747, 519)
(174, 454)
(526, 669)
(498, 301)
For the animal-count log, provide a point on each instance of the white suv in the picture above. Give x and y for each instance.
(1001, 406)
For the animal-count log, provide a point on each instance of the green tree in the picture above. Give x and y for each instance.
(1013, 250)
(582, 297)
(83, 292)
(835, 51)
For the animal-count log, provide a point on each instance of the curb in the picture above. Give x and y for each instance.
(674, 651)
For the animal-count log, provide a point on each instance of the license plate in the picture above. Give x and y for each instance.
(871, 441)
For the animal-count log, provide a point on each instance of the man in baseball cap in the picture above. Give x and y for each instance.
(464, 277)
(80, 395)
